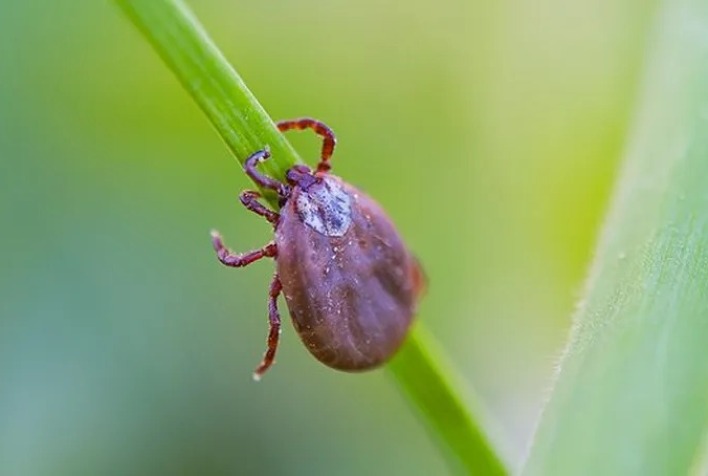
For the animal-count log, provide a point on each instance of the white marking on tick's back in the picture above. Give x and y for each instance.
(325, 207)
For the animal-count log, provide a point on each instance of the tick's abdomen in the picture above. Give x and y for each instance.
(352, 293)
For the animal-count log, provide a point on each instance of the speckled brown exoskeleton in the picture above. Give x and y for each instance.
(349, 281)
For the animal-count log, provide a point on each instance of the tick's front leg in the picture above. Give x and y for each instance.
(238, 260)
(274, 332)
(321, 129)
(249, 166)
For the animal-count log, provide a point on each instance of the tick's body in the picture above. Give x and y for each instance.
(351, 295)
(350, 283)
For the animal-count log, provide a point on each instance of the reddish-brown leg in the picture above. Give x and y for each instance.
(238, 260)
(263, 180)
(274, 332)
(249, 198)
(321, 129)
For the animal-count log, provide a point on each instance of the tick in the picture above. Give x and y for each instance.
(349, 281)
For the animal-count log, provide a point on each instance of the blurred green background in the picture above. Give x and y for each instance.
(490, 131)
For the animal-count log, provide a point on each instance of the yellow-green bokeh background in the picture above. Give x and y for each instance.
(490, 131)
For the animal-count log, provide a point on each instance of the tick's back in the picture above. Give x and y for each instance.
(352, 293)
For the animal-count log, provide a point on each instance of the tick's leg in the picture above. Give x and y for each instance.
(263, 180)
(249, 198)
(321, 129)
(239, 260)
(274, 332)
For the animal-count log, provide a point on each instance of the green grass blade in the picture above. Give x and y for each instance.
(238, 117)
(632, 393)
(428, 380)
(245, 127)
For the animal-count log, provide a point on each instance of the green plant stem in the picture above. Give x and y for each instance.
(240, 120)
(245, 127)
(632, 393)
(433, 387)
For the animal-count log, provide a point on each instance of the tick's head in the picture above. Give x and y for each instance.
(300, 176)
